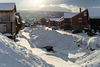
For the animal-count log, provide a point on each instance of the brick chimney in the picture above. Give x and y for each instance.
(80, 10)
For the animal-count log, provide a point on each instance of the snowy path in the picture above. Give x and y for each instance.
(56, 61)
(64, 32)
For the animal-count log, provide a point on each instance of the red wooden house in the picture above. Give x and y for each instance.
(80, 20)
(52, 22)
(61, 22)
(65, 21)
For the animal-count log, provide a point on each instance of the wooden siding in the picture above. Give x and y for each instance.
(61, 24)
(80, 20)
(8, 18)
(75, 20)
(5, 16)
(13, 23)
(8, 26)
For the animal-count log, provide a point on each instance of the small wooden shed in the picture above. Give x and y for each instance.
(8, 19)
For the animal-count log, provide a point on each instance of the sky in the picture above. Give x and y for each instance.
(59, 5)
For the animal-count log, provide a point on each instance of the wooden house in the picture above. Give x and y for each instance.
(61, 22)
(80, 20)
(8, 19)
(65, 21)
(52, 22)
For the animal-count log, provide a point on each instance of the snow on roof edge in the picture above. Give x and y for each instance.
(69, 14)
(94, 12)
(7, 6)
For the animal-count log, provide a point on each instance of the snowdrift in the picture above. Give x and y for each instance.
(47, 37)
(79, 55)
(14, 55)
(90, 42)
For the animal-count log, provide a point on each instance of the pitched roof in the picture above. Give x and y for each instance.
(61, 19)
(53, 19)
(7, 6)
(94, 12)
(69, 15)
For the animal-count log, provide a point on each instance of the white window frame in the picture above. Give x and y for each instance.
(85, 13)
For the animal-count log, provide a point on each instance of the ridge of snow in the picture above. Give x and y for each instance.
(14, 55)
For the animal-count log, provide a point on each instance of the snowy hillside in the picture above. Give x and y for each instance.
(14, 55)
(66, 46)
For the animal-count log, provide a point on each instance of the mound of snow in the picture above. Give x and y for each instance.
(14, 55)
(90, 60)
(79, 55)
(94, 42)
(46, 37)
(83, 41)
(90, 42)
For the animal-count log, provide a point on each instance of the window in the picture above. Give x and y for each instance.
(71, 20)
(85, 14)
(80, 20)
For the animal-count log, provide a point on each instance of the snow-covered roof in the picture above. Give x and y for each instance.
(23, 21)
(61, 19)
(7, 6)
(69, 15)
(94, 12)
(17, 17)
(53, 19)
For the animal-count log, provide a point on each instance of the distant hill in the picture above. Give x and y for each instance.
(40, 14)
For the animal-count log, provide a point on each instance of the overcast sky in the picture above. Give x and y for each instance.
(61, 5)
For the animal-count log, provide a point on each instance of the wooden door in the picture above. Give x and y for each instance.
(2, 28)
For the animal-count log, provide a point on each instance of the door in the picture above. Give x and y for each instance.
(2, 28)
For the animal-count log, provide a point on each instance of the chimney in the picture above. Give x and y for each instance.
(80, 10)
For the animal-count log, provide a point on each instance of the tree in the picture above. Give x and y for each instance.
(43, 21)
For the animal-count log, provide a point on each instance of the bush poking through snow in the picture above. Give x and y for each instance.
(93, 43)
(82, 41)
(49, 48)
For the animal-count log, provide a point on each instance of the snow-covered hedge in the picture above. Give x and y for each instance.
(90, 42)
(94, 42)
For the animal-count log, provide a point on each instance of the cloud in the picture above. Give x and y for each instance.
(78, 3)
(70, 4)
(84, 3)
(55, 8)
(71, 7)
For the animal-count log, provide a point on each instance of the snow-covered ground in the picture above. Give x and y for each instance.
(65, 44)
(15, 55)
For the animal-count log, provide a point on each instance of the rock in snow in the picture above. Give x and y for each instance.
(14, 55)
